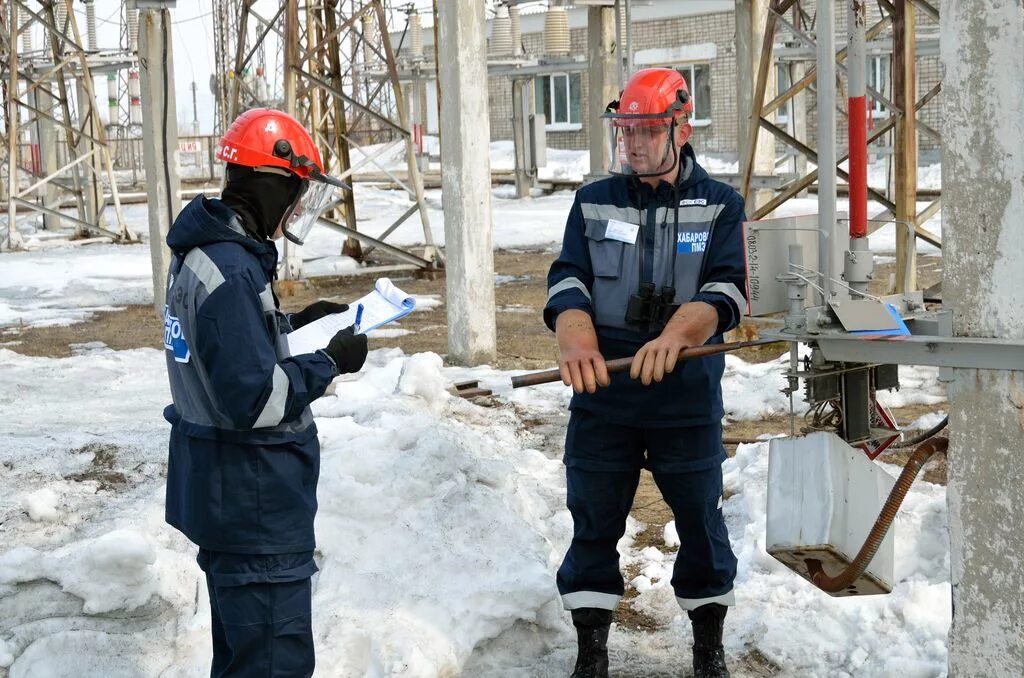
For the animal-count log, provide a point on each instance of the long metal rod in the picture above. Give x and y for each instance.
(370, 240)
(623, 364)
(48, 210)
(826, 97)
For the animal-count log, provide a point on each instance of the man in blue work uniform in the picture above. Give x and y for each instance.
(244, 456)
(651, 263)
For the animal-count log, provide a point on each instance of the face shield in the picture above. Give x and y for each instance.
(640, 145)
(315, 196)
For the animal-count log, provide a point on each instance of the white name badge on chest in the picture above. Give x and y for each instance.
(621, 231)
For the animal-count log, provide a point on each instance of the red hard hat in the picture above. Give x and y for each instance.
(655, 90)
(265, 136)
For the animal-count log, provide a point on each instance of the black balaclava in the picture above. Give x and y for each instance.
(259, 198)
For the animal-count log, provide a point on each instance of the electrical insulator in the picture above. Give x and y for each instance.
(134, 97)
(556, 32)
(517, 36)
(90, 24)
(501, 33)
(133, 29)
(415, 36)
(113, 110)
(26, 37)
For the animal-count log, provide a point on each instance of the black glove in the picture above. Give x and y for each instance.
(347, 350)
(315, 311)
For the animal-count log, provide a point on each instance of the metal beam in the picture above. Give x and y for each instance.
(904, 84)
(964, 352)
(378, 244)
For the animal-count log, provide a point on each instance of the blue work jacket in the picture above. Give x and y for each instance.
(244, 456)
(621, 232)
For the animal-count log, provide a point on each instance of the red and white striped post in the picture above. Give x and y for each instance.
(858, 262)
(857, 117)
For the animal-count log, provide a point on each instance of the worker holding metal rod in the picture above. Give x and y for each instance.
(651, 264)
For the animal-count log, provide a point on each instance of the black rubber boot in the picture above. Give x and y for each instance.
(592, 626)
(708, 654)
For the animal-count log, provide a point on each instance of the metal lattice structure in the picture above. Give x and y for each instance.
(338, 76)
(897, 23)
(48, 90)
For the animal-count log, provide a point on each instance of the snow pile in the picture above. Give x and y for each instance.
(110, 572)
(62, 286)
(918, 386)
(927, 421)
(435, 528)
(439, 532)
(798, 627)
(41, 505)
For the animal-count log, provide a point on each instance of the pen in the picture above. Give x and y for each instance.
(359, 317)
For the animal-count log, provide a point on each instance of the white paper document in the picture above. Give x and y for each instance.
(384, 304)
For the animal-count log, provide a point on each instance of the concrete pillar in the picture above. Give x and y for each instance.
(47, 137)
(983, 246)
(159, 144)
(751, 16)
(603, 82)
(465, 181)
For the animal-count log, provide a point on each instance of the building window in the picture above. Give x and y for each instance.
(558, 98)
(878, 79)
(698, 79)
(783, 81)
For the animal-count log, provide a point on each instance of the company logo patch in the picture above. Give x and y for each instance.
(633, 105)
(692, 242)
(693, 201)
(174, 341)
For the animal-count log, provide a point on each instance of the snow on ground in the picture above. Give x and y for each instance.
(441, 522)
(440, 527)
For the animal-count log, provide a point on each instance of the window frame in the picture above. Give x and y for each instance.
(689, 66)
(784, 112)
(567, 125)
(879, 66)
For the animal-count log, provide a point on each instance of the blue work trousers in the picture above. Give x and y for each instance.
(603, 462)
(261, 613)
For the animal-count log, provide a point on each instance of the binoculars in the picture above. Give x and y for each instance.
(647, 307)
